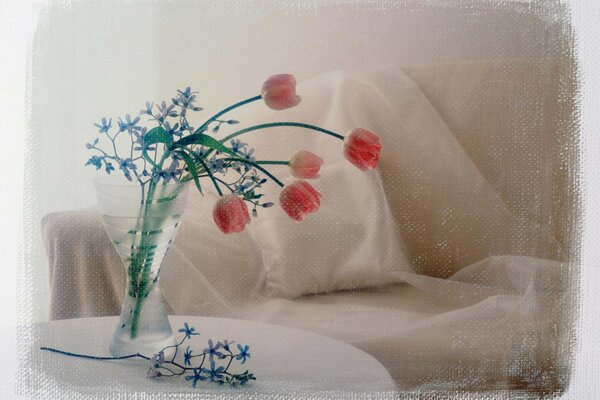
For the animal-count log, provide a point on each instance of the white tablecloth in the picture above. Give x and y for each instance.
(284, 360)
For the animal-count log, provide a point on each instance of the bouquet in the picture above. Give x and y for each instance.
(171, 149)
(157, 152)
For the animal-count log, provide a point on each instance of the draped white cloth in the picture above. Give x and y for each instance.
(471, 205)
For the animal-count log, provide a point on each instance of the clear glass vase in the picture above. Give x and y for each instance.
(142, 222)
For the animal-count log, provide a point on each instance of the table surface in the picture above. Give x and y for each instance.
(283, 360)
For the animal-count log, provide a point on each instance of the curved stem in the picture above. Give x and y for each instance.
(67, 353)
(275, 125)
(278, 124)
(203, 127)
(273, 162)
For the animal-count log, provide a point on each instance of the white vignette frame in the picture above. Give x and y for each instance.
(17, 24)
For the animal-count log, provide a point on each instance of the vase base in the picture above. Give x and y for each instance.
(152, 328)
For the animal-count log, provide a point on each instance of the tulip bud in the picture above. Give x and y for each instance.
(361, 148)
(279, 92)
(299, 199)
(305, 165)
(231, 214)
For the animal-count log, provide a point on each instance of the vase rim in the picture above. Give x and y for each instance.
(115, 181)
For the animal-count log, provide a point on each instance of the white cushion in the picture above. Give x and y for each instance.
(351, 242)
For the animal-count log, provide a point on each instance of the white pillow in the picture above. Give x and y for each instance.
(350, 243)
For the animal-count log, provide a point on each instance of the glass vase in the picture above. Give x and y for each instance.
(141, 222)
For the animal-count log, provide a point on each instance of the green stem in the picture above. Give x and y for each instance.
(273, 162)
(279, 124)
(140, 265)
(210, 174)
(139, 277)
(203, 127)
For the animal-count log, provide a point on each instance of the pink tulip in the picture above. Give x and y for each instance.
(305, 165)
(361, 148)
(279, 92)
(299, 199)
(231, 214)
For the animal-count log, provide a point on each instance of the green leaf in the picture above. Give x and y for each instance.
(157, 135)
(204, 140)
(201, 161)
(191, 167)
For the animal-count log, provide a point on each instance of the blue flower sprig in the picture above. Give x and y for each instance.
(169, 149)
(213, 364)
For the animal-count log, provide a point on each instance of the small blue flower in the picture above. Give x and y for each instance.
(217, 165)
(125, 165)
(185, 126)
(247, 154)
(186, 98)
(201, 151)
(165, 111)
(109, 167)
(104, 125)
(225, 345)
(213, 373)
(188, 331)
(196, 377)
(172, 130)
(96, 161)
(148, 110)
(237, 145)
(212, 351)
(187, 356)
(129, 125)
(240, 188)
(244, 353)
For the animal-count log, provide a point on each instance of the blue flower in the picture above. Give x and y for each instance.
(213, 373)
(240, 188)
(185, 126)
(247, 154)
(172, 130)
(172, 172)
(237, 145)
(96, 161)
(201, 151)
(148, 109)
(213, 351)
(104, 125)
(165, 111)
(196, 377)
(244, 353)
(185, 98)
(225, 345)
(109, 167)
(125, 165)
(217, 165)
(187, 356)
(188, 331)
(129, 125)
(139, 140)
